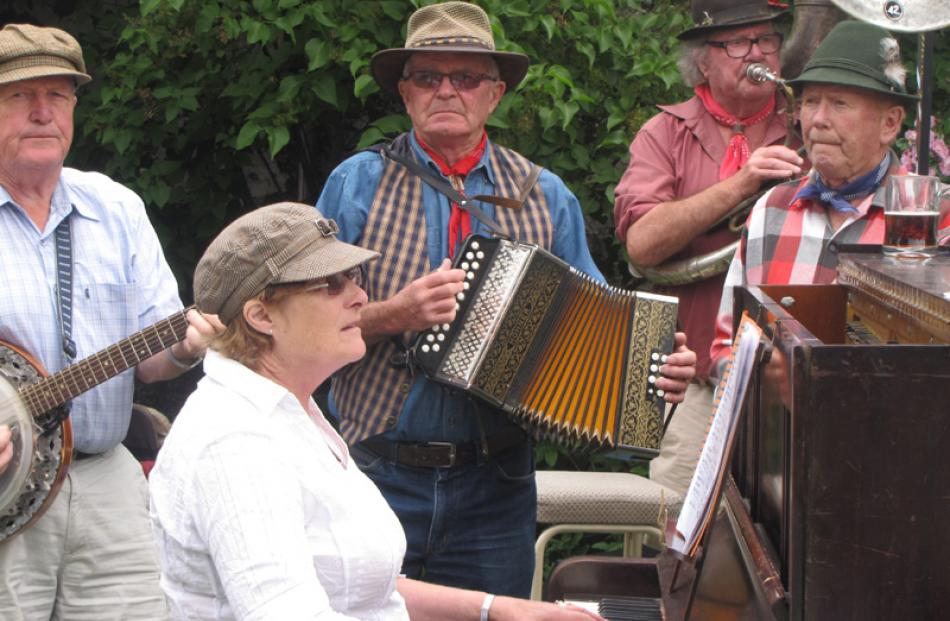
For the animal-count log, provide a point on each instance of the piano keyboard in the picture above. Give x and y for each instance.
(624, 608)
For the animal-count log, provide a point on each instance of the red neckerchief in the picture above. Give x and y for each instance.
(737, 152)
(459, 221)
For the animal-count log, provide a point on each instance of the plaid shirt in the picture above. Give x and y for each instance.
(794, 244)
(121, 284)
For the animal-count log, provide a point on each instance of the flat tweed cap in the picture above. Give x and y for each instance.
(28, 52)
(856, 54)
(448, 27)
(279, 243)
(712, 15)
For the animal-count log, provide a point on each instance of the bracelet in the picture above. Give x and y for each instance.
(486, 604)
(184, 365)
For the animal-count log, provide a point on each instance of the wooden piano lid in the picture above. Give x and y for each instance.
(906, 301)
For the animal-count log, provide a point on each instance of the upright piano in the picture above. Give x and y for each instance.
(838, 502)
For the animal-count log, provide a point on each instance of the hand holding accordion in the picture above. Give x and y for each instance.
(567, 357)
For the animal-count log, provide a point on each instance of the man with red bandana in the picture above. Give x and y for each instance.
(458, 473)
(690, 165)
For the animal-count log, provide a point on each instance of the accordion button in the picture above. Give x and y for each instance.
(475, 245)
(479, 255)
(441, 337)
(470, 275)
(445, 327)
(651, 380)
(663, 358)
(464, 265)
(469, 255)
(431, 337)
(435, 328)
(458, 307)
(459, 296)
(435, 347)
(660, 393)
(654, 356)
(654, 368)
(425, 348)
(466, 286)
(476, 265)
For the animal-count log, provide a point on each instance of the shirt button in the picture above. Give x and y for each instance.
(404, 388)
(391, 421)
(833, 248)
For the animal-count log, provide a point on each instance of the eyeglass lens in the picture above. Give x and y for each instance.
(461, 80)
(740, 46)
(335, 283)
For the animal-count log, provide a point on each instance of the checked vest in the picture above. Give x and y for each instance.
(369, 394)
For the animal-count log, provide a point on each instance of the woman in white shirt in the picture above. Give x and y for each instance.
(257, 509)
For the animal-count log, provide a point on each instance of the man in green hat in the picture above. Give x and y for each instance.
(458, 473)
(693, 163)
(852, 99)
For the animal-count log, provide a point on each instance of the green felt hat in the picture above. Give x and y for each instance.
(854, 54)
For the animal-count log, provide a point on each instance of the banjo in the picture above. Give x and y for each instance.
(32, 404)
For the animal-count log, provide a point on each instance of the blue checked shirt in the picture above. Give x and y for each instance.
(121, 284)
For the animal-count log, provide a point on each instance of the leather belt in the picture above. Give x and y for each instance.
(442, 454)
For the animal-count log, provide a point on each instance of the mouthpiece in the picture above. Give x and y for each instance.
(759, 74)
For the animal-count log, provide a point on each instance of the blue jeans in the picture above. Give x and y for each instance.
(470, 526)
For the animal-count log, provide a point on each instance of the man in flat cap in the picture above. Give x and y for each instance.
(852, 99)
(689, 166)
(458, 473)
(82, 269)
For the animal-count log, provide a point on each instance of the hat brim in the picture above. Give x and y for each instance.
(386, 65)
(326, 259)
(29, 73)
(839, 77)
(697, 31)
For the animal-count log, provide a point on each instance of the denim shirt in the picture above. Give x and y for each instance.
(432, 412)
(121, 284)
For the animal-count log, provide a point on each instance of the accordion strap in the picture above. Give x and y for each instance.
(441, 185)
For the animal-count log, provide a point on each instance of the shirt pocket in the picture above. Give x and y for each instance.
(105, 310)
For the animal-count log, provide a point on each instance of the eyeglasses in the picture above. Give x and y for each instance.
(461, 80)
(335, 283)
(740, 46)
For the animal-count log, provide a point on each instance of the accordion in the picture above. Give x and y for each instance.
(567, 357)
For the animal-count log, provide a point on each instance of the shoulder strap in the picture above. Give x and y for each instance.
(64, 281)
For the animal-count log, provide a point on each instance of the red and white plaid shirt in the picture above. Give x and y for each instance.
(793, 243)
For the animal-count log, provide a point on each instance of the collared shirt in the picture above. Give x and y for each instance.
(347, 197)
(259, 513)
(675, 155)
(794, 243)
(121, 284)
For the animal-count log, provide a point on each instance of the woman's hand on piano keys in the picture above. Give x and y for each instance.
(512, 609)
(678, 370)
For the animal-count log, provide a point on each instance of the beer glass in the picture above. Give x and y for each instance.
(911, 212)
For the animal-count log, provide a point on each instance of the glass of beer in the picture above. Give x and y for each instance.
(911, 212)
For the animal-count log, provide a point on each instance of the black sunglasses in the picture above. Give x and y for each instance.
(461, 80)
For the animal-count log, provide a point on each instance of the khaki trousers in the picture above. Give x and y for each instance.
(683, 442)
(90, 557)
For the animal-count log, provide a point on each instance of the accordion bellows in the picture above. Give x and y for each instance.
(567, 357)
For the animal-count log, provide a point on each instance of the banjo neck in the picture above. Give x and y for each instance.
(55, 390)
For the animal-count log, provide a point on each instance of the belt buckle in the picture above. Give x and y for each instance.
(451, 453)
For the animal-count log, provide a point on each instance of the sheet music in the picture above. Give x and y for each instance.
(711, 468)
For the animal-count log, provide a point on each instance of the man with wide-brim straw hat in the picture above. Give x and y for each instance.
(459, 474)
(82, 269)
(692, 164)
(852, 96)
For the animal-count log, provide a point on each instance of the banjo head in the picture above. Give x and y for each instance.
(39, 463)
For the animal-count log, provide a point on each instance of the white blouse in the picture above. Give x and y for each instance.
(259, 512)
